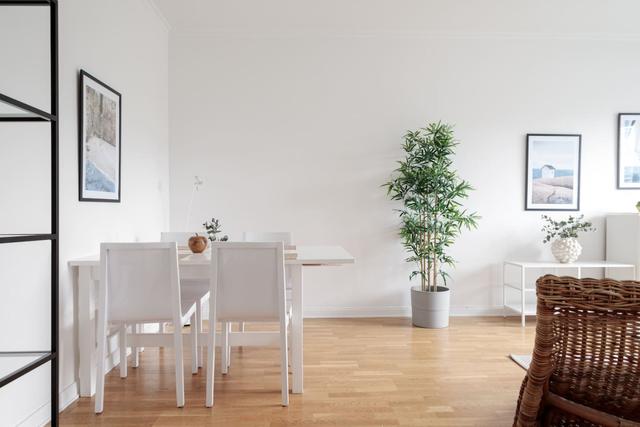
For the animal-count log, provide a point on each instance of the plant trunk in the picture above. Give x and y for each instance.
(424, 263)
(435, 255)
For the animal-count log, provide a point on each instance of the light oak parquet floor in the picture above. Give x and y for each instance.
(358, 372)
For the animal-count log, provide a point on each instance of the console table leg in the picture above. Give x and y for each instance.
(522, 294)
(504, 290)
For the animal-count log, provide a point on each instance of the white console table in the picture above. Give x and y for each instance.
(527, 303)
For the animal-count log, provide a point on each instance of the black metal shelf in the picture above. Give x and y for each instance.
(26, 2)
(13, 238)
(14, 364)
(24, 113)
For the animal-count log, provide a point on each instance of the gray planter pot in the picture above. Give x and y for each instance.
(430, 309)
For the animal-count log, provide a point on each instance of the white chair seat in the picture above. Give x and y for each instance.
(193, 290)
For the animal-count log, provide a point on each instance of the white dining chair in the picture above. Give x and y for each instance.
(247, 283)
(191, 289)
(267, 236)
(139, 283)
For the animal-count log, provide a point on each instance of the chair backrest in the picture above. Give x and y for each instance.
(247, 280)
(586, 349)
(180, 237)
(140, 281)
(268, 236)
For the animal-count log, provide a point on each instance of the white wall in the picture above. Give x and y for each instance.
(124, 43)
(293, 113)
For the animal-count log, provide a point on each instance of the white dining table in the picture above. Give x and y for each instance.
(196, 266)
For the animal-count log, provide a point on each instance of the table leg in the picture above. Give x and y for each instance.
(504, 290)
(297, 364)
(523, 294)
(86, 332)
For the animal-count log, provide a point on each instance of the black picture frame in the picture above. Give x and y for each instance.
(85, 194)
(620, 184)
(529, 205)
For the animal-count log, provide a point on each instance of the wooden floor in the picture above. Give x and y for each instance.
(358, 372)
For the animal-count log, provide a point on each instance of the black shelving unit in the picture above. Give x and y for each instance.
(21, 363)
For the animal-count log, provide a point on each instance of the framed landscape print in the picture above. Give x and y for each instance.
(628, 150)
(553, 172)
(99, 140)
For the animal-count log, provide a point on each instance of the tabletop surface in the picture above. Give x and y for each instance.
(306, 255)
(577, 264)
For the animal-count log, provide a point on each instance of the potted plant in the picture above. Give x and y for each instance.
(214, 228)
(565, 246)
(432, 217)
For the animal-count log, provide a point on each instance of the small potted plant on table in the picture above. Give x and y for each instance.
(564, 234)
(214, 228)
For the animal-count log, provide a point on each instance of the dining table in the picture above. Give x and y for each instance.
(197, 266)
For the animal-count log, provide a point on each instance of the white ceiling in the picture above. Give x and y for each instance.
(576, 17)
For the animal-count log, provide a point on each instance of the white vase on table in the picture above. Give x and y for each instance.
(566, 250)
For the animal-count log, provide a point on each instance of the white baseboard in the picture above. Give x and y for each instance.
(329, 312)
(42, 415)
(394, 311)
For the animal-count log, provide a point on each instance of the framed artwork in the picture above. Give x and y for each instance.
(553, 172)
(100, 140)
(628, 150)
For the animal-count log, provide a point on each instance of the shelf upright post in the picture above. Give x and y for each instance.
(53, 40)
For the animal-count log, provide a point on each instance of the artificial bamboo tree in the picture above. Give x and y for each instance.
(432, 193)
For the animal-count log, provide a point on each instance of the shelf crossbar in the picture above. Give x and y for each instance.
(30, 113)
(26, 2)
(14, 238)
(43, 358)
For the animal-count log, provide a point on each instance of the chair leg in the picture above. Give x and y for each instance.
(194, 343)
(211, 356)
(224, 352)
(228, 345)
(199, 353)
(135, 351)
(177, 346)
(102, 343)
(284, 366)
(122, 334)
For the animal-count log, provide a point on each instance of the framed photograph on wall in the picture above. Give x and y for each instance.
(553, 172)
(100, 134)
(629, 150)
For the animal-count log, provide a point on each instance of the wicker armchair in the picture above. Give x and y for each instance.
(585, 369)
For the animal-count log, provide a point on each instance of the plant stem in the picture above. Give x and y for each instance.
(435, 245)
(423, 261)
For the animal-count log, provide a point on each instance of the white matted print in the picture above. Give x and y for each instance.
(629, 150)
(100, 140)
(553, 172)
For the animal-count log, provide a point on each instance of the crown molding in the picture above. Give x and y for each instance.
(163, 19)
(402, 34)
